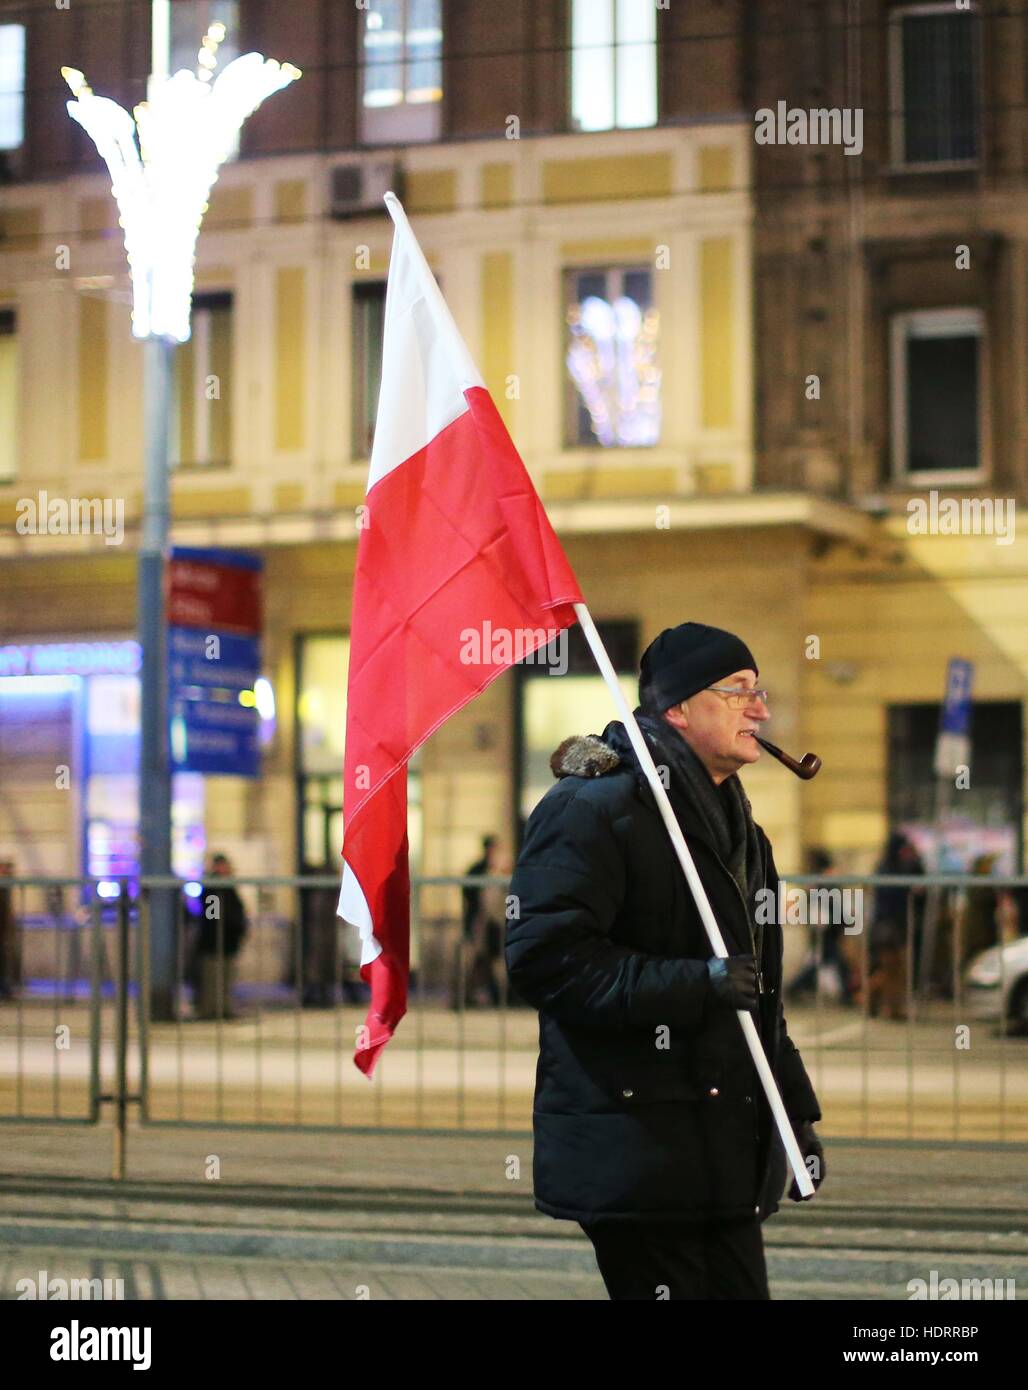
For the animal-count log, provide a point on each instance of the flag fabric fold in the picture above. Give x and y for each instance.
(454, 546)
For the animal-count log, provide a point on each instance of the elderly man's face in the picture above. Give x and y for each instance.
(721, 736)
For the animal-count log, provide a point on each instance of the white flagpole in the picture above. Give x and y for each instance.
(717, 942)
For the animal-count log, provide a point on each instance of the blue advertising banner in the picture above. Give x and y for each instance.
(214, 660)
(953, 745)
(215, 736)
(956, 707)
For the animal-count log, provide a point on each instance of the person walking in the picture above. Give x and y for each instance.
(651, 1127)
(480, 950)
(887, 940)
(223, 927)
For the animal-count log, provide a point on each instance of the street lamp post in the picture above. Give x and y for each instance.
(188, 126)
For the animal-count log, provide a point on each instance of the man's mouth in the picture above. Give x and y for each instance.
(749, 733)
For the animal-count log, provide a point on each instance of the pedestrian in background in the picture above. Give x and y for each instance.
(887, 939)
(223, 928)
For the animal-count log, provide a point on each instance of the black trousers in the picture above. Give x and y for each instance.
(680, 1260)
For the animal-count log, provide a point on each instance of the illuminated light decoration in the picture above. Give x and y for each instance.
(248, 699)
(612, 359)
(265, 696)
(108, 889)
(38, 685)
(193, 889)
(70, 659)
(185, 133)
(177, 736)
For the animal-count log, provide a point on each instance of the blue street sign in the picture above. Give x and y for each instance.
(215, 736)
(221, 660)
(956, 708)
(214, 655)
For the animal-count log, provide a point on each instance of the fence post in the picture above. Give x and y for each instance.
(121, 1035)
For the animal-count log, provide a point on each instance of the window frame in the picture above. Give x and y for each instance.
(9, 329)
(362, 289)
(572, 397)
(19, 91)
(961, 321)
(204, 300)
(404, 122)
(897, 122)
(573, 123)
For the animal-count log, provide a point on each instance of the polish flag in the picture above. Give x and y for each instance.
(454, 542)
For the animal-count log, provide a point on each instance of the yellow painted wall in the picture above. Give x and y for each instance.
(290, 200)
(611, 177)
(431, 190)
(715, 171)
(497, 185)
(93, 350)
(290, 356)
(897, 625)
(21, 228)
(498, 328)
(229, 207)
(717, 308)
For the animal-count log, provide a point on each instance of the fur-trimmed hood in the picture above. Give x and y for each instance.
(583, 755)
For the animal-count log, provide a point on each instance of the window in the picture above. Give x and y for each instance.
(203, 400)
(8, 395)
(934, 70)
(12, 86)
(613, 391)
(321, 684)
(187, 23)
(937, 394)
(368, 319)
(551, 706)
(984, 817)
(613, 64)
(190, 20)
(401, 71)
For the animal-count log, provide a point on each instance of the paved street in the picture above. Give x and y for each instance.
(409, 1216)
(876, 1078)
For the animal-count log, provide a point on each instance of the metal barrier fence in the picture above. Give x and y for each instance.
(908, 1031)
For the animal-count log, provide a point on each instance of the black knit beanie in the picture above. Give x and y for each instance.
(688, 658)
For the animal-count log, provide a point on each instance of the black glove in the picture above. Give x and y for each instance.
(733, 980)
(810, 1147)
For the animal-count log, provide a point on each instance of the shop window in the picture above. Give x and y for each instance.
(322, 667)
(560, 692)
(984, 817)
(12, 86)
(937, 395)
(202, 418)
(401, 71)
(368, 320)
(8, 395)
(613, 383)
(934, 83)
(613, 64)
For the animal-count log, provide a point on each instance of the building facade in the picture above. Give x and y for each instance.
(646, 289)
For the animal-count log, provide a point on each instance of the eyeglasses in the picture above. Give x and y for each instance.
(739, 697)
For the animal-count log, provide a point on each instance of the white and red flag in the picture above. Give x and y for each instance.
(455, 540)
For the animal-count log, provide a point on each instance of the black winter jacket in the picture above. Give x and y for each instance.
(647, 1102)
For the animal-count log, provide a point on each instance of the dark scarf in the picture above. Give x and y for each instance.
(724, 810)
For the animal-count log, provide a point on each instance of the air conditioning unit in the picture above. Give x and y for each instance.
(357, 189)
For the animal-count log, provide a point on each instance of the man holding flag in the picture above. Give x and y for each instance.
(650, 1126)
(454, 538)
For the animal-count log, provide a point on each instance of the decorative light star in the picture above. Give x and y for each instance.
(185, 133)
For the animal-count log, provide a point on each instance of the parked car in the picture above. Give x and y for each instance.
(996, 984)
